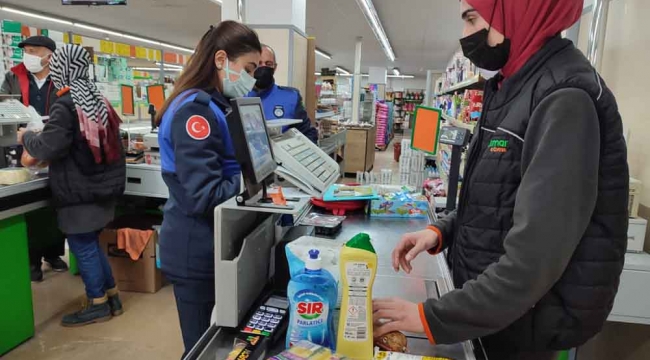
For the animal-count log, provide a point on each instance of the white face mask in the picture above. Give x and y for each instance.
(32, 63)
(240, 87)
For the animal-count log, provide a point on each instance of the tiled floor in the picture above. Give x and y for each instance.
(147, 330)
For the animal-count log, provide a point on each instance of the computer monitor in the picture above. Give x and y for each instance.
(251, 142)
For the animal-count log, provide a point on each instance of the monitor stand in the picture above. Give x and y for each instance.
(263, 201)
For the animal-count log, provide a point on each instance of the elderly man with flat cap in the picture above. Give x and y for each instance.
(31, 80)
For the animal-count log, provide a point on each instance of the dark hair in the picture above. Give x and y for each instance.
(201, 72)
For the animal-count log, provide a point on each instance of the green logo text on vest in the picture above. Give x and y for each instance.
(498, 146)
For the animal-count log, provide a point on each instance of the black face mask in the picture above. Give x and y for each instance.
(264, 76)
(480, 53)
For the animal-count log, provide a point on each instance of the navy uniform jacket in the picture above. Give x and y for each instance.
(286, 103)
(199, 167)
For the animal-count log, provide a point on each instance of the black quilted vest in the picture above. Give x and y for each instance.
(576, 307)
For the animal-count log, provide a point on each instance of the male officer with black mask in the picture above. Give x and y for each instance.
(280, 102)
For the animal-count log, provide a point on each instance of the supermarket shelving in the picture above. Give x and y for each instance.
(473, 83)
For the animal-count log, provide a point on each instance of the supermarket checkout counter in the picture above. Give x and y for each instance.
(19, 204)
(430, 277)
(23, 209)
(251, 232)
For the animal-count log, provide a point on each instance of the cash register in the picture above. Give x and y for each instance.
(13, 114)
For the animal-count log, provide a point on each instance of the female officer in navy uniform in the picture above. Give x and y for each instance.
(199, 166)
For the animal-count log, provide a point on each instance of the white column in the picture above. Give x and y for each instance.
(233, 10)
(597, 33)
(356, 90)
(427, 92)
(277, 12)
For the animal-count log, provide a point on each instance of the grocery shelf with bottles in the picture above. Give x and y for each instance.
(460, 75)
(461, 110)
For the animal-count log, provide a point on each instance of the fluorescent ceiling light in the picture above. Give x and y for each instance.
(37, 16)
(93, 28)
(142, 40)
(177, 47)
(396, 72)
(402, 76)
(323, 54)
(317, 74)
(371, 15)
(171, 65)
(99, 30)
(153, 69)
(342, 70)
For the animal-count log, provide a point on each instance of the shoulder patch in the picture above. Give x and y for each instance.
(197, 127)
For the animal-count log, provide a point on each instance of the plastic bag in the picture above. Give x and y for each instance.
(36, 125)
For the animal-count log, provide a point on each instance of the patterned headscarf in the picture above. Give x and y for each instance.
(69, 69)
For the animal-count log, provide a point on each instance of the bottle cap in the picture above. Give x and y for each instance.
(314, 261)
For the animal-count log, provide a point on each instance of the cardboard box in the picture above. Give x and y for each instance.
(139, 276)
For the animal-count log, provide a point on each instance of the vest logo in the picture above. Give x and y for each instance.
(498, 146)
(278, 111)
(310, 310)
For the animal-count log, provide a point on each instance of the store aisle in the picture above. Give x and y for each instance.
(147, 330)
(383, 160)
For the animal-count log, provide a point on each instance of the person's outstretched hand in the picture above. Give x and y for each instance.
(411, 245)
(395, 315)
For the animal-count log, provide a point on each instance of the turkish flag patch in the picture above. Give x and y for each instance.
(197, 127)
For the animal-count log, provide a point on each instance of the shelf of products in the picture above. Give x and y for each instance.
(452, 121)
(461, 111)
(473, 83)
(460, 75)
(324, 115)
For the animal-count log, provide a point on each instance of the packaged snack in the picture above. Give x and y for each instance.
(393, 341)
(304, 350)
(389, 355)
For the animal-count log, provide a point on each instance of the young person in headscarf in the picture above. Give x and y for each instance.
(537, 244)
(87, 173)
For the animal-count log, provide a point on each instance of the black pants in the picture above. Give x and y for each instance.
(45, 240)
(50, 252)
(194, 301)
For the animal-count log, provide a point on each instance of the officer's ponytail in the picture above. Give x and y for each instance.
(201, 72)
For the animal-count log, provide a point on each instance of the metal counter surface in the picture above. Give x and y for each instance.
(38, 183)
(429, 278)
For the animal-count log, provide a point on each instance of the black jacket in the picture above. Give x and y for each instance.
(539, 239)
(75, 178)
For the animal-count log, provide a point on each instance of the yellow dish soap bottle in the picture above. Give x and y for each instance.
(358, 264)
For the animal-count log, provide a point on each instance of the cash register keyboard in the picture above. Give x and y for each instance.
(14, 110)
(308, 158)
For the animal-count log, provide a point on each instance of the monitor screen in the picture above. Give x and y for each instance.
(93, 2)
(257, 140)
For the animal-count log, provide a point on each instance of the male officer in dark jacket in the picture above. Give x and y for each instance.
(280, 102)
(31, 80)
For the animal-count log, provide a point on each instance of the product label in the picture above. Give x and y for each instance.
(309, 318)
(358, 275)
